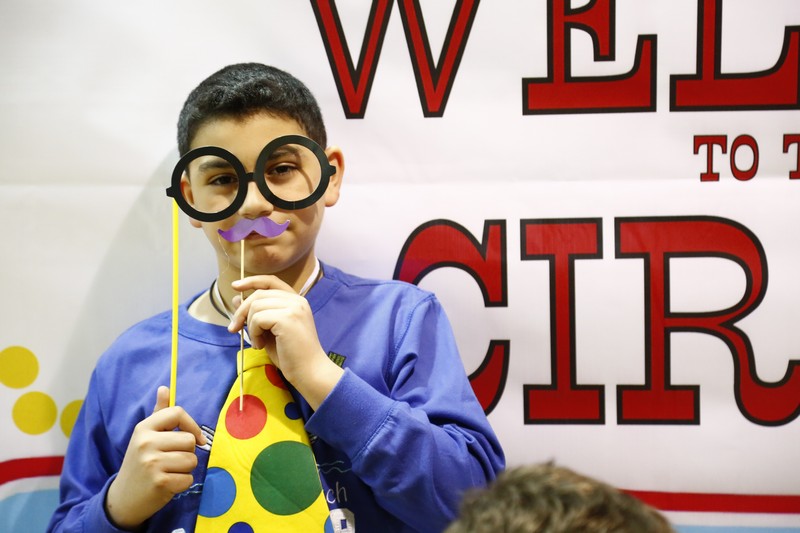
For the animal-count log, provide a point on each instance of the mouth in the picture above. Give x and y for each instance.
(256, 235)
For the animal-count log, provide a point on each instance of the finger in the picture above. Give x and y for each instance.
(260, 314)
(162, 398)
(179, 462)
(261, 282)
(259, 300)
(176, 441)
(187, 423)
(175, 483)
(171, 418)
(260, 335)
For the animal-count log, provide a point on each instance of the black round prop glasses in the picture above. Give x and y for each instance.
(210, 184)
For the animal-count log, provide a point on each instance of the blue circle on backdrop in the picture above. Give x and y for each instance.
(219, 491)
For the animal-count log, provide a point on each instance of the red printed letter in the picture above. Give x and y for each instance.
(561, 92)
(747, 140)
(442, 243)
(658, 401)
(788, 140)
(710, 90)
(562, 242)
(434, 82)
(710, 141)
(354, 84)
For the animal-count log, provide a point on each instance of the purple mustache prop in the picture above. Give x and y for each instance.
(263, 226)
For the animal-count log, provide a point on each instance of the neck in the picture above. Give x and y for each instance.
(301, 280)
(203, 310)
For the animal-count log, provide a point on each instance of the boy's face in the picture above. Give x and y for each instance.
(291, 253)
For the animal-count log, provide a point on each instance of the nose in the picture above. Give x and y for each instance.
(255, 205)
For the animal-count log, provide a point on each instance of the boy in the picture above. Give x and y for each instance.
(396, 431)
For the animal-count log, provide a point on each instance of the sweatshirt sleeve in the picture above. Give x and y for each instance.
(428, 441)
(89, 467)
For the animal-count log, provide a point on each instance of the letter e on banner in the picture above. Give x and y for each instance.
(561, 92)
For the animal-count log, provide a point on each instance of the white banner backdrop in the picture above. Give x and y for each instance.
(603, 195)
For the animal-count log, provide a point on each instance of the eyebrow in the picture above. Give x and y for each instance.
(218, 163)
(214, 164)
(284, 150)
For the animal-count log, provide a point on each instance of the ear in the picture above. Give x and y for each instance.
(335, 158)
(186, 191)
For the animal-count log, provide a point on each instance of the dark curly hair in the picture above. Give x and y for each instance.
(245, 89)
(545, 498)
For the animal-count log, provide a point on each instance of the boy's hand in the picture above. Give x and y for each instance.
(280, 320)
(158, 464)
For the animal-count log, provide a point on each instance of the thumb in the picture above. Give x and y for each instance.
(162, 398)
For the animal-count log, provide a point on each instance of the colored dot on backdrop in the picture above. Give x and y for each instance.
(68, 416)
(34, 413)
(18, 367)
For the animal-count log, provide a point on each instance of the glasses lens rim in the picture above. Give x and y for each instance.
(181, 166)
(326, 171)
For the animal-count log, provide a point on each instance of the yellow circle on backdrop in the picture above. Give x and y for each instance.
(68, 416)
(18, 367)
(34, 413)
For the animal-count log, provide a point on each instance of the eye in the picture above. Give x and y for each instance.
(282, 170)
(222, 180)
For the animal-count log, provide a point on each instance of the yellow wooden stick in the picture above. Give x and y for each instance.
(173, 373)
(241, 332)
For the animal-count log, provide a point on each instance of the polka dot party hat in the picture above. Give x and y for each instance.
(262, 475)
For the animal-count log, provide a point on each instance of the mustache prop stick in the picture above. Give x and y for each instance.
(265, 227)
(311, 173)
(262, 226)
